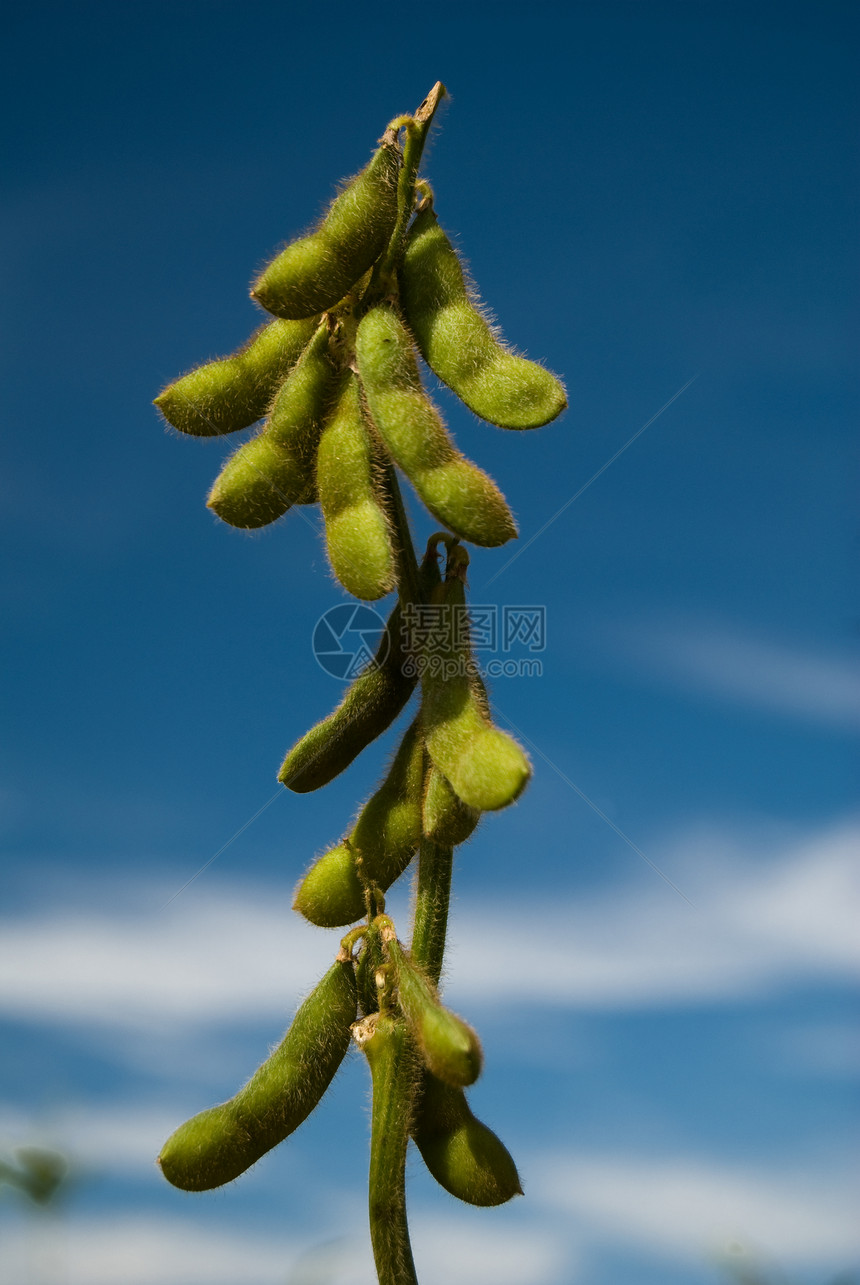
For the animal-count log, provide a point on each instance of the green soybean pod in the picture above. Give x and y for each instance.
(446, 819)
(384, 1041)
(457, 343)
(218, 1145)
(379, 848)
(463, 1155)
(486, 768)
(315, 272)
(388, 830)
(331, 894)
(372, 702)
(449, 1047)
(234, 392)
(454, 489)
(275, 470)
(358, 537)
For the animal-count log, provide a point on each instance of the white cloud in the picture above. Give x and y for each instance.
(758, 924)
(814, 686)
(153, 1250)
(148, 1250)
(685, 1208)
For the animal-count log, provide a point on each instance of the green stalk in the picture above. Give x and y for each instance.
(432, 894)
(393, 1065)
(392, 1068)
(417, 128)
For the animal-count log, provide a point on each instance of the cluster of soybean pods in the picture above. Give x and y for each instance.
(335, 377)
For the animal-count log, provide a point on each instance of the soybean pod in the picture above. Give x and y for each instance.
(449, 1047)
(486, 768)
(275, 470)
(377, 850)
(463, 1155)
(385, 1043)
(331, 895)
(234, 392)
(446, 819)
(455, 490)
(358, 537)
(315, 272)
(217, 1145)
(372, 702)
(457, 343)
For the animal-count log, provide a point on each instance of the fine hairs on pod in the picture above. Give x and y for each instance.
(275, 470)
(448, 1045)
(372, 702)
(486, 768)
(457, 343)
(233, 393)
(217, 1145)
(358, 538)
(446, 819)
(463, 1155)
(377, 850)
(456, 492)
(315, 272)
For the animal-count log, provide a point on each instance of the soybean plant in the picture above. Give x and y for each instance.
(337, 383)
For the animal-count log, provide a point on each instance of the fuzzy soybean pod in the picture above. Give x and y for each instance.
(486, 768)
(446, 820)
(463, 1155)
(358, 538)
(384, 1040)
(275, 470)
(456, 492)
(372, 702)
(379, 848)
(217, 1145)
(224, 396)
(331, 895)
(449, 1047)
(315, 272)
(457, 343)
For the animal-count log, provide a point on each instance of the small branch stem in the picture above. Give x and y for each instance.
(417, 128)
(393, 1075)
(394, 1079)
(432, 895)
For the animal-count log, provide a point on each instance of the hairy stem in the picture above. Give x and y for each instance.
(417, 128)
(393, 1069)
(394, 1074)
(432, 894)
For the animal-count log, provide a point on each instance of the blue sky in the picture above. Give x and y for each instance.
(658, 943)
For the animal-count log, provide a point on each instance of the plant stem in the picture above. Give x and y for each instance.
(432, 894)
(417, 128)
(392, 1070)
(394, 1074)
